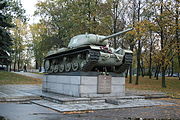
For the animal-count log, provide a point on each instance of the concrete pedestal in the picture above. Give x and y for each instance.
(83, 85)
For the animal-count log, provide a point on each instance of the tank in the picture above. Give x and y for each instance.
(89, 52)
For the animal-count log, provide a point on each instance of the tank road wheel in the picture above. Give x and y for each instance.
(55, 68)
(68, 67)
(61, 68)
(75, 66)
(82, 64)
(47, 65)
(51, 70)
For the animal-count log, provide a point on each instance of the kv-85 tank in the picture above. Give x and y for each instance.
(89, 52)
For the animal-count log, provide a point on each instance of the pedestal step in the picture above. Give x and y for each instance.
(99, 105)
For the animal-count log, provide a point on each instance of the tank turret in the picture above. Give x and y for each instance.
(89, 52)
(92, 39)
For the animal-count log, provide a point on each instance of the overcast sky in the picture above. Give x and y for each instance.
(29, 6)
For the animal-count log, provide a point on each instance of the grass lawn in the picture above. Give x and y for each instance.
(172, 83)
(12, 78)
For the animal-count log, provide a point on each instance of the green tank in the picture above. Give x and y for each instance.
(89, 52)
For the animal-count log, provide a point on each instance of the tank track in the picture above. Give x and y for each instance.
(90, 59)
(127, 61)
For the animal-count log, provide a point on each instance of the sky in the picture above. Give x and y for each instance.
(29, 6)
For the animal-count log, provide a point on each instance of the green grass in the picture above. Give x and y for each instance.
(172, 83)
(12, 78)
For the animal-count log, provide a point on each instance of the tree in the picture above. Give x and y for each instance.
(164, 28)
(79, 17)
(18, 34)
(118, 9)
(5, 40)
(153, 40)
(129, 37)
(9, 10)
(177, 32)
(40, 42)
(136, 35)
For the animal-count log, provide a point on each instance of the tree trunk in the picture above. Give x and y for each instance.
(157, 72)
(168, 70)
(19, 57)
(132, 46)
(142, 68)
(139, 49)
(130, 73)
(172, 67)
(40, 68)
(162, 47)
(37, 66)
(40, 65)
(10, 68)
(15, 66)
(126, 75)
(18, 66)
(177, 32)
(138, 63)
(15, 60)
(130, 67)
(115, 6)
(89, 16)
(163, 77)
(7, 68)
(150, 56)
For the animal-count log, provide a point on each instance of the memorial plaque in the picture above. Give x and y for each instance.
(104, 84)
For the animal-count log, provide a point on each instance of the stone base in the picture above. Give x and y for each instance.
(82, 86)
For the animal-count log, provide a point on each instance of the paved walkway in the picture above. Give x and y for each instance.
(18, 92)
(29, 111)
(39, 76)
(22, 111)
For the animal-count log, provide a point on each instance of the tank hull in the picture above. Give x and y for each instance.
(88, 58)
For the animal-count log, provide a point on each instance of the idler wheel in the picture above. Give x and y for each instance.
(75, 66)
(61, 68)
(68, 67)
(56, 68)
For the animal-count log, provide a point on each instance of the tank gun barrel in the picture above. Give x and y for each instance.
(116, 34)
